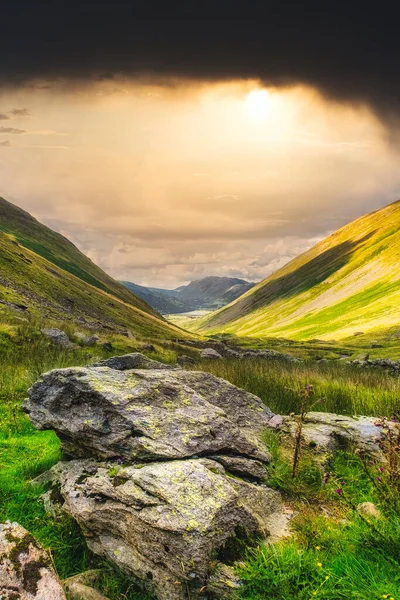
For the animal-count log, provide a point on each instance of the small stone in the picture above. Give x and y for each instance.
(148, 348)
(368, 509)
(87, 340)
(108, 346)
(210, 353)
(276, 422)
(58, 337)
(185, 360)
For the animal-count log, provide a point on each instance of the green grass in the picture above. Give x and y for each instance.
(358, 563)
(344, 389)
(333, 556)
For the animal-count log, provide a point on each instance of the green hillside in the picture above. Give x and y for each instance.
(347, 283)
(42, 274)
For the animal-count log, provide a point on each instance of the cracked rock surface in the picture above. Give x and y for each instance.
(148, 414)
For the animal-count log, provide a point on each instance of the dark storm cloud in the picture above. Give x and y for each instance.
(349, 51)
(12, 130)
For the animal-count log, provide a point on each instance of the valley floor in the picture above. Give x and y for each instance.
(333, 552)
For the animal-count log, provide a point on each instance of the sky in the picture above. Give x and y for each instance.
(170, 145)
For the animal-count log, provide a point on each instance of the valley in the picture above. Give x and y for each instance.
(60, 311)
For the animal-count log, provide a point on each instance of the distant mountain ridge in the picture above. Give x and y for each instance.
(209, 293)
(347, 283)
(43, 274)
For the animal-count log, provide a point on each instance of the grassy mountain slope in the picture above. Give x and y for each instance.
(209, 293)
(45, 275)
(348, 282)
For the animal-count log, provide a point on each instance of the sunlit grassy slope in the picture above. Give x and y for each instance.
(346, 283)
(43, 271)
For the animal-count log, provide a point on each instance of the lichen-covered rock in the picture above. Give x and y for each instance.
(328, 431)
(163, 522)
(25, 568)
(148, 414)
(136, 360)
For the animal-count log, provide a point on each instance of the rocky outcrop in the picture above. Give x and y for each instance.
(328, 431)
(25, 568)
(157, 497)
(227, 351)
(384, 364)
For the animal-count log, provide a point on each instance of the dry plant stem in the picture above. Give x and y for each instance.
(305, 407)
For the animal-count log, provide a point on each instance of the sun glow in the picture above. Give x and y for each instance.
(257, 103)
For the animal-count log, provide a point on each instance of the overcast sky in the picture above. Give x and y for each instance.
(172, 145)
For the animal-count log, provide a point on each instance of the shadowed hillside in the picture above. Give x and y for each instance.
(350, 280)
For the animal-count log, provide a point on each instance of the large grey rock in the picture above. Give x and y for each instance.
(163, 522)
(136, 360)
(25, 568)
(148, 414)
(328, 431)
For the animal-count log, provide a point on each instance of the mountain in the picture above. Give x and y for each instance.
(45, 275)
(209, 293)
(164, 301)
(347, 283)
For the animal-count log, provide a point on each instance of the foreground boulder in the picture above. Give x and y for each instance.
(25, 568)
(151, 482)
(162, 522)
(148, 414)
